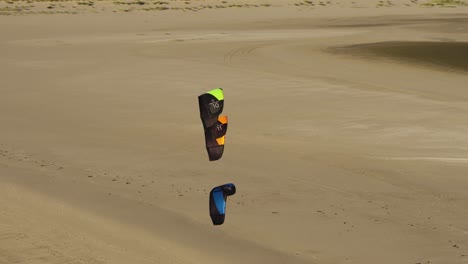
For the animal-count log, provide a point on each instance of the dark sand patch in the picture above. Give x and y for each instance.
(447, 55)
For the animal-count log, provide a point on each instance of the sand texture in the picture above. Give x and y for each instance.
(347, 138)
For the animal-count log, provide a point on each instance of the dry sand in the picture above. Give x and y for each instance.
(347, 139)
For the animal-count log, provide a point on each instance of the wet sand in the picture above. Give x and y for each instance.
(448, 55)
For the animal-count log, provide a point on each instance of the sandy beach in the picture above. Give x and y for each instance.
(347, 138)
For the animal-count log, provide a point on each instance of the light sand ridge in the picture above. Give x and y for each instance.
(27, 7)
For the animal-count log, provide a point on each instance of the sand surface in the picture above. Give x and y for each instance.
(347, 139)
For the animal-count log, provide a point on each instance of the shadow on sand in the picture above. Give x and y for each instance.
(443, 55)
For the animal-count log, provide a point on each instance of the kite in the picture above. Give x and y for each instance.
(218, 197)
(211, 105)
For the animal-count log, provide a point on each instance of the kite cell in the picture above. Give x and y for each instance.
(211, 105)
(214, 138)
(218, 197)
